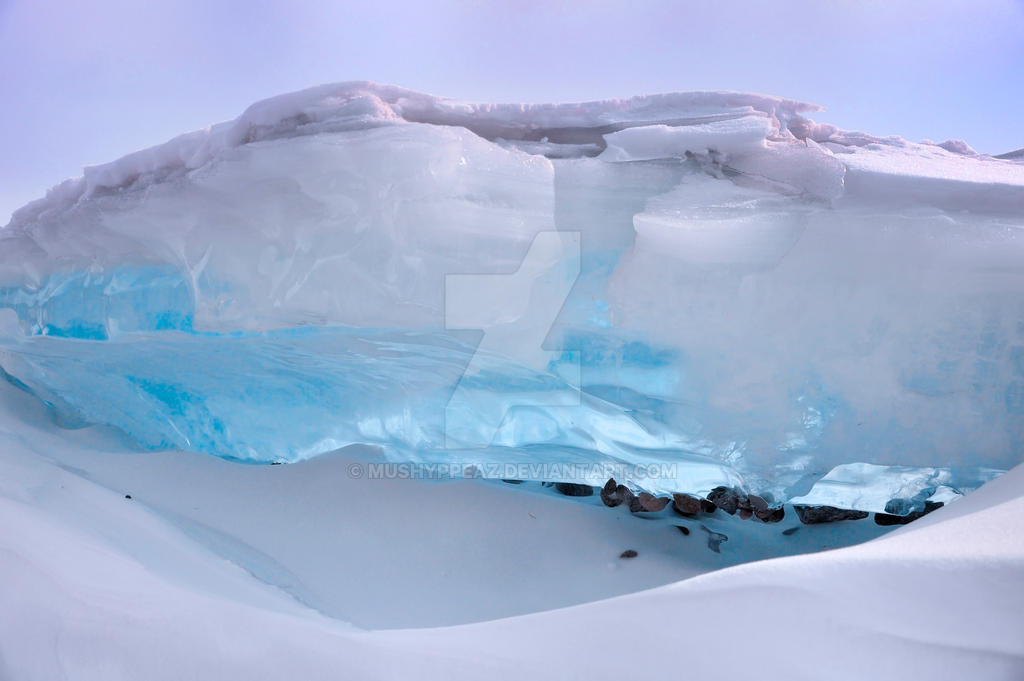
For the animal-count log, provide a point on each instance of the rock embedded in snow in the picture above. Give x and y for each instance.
(771, 515)
(612, 494)
(814, 515)
(647, 503)
(571, 489)
(900, 513)
(729, 500)
(685, 504)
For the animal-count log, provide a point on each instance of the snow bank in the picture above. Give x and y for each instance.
(97, 586)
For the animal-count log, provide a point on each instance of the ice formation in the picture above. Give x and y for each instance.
(755, 296)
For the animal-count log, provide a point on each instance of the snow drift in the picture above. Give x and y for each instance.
(96, 586)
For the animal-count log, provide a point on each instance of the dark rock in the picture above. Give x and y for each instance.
(790, 531)
(887, 519)
(725, 498)
(127, 496)
(661, 503)
(815, 515)
(684, 530)
(685, 505)
(628, 553)
(512, 482)
(746, 514)
(275, 463)
(771, 515)
(707, 506)
(611, 495)
(715, 539)
(648, 503)
(762, 511)
(757, 503)
(572, 489)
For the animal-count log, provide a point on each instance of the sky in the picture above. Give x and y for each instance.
(83, 82)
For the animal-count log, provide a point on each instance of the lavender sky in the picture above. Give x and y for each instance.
(83, 82)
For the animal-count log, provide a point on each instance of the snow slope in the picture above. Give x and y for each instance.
(376, 552)
(96, 586)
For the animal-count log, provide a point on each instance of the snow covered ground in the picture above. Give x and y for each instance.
(210, 569)
(378, 552)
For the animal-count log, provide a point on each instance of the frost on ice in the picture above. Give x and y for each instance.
(756, 294)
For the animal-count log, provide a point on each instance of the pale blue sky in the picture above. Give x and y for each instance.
(84, 82)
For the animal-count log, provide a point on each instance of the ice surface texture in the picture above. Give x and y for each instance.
(755, 296)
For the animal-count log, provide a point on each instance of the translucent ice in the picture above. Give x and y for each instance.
(755, 296)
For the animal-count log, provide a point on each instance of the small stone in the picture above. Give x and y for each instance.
(127, 496)
(888, 519)
(649, 503)
(771, 515)
(746, 514)
(685, 505)
(790, 531)
(572, 489)
(757, 503)
(628, 553)
(815, 515)
(275, 463)
(684, 530)
(512, 482)
(610, 494)
(707, 506)
(725, 498)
